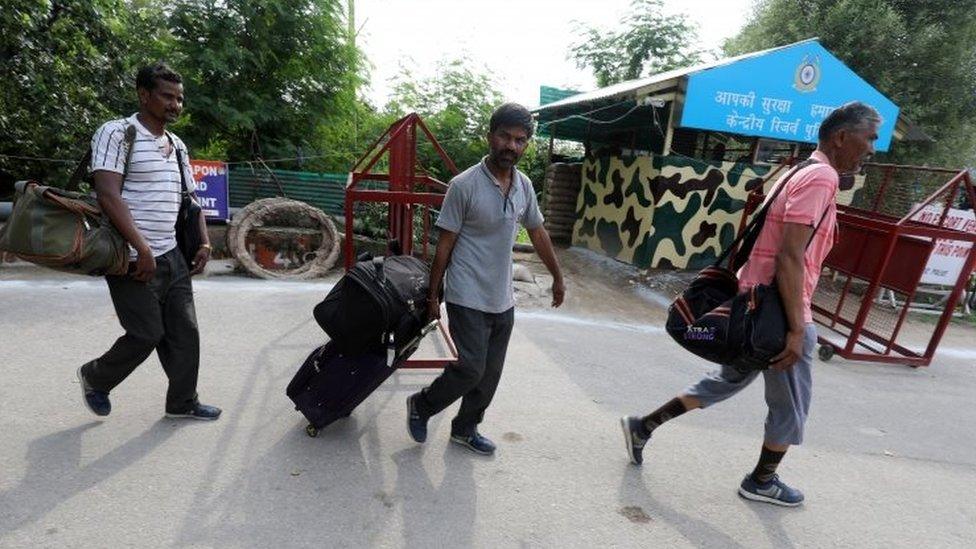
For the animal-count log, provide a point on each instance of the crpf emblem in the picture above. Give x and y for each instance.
(700, 333)
(807, 74)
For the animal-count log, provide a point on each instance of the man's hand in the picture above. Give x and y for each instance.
(145, 265)
(558, 292)
(200, 260)
(791, 354)
(543, 246)
(433, 308)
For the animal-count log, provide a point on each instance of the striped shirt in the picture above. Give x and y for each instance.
(151, 188)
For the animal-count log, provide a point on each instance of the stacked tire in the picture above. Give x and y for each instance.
(562, 188)
(286, 221)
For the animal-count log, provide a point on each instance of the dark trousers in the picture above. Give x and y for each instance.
(482, 340)
(158, 315)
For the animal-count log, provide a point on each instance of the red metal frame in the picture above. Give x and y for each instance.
(890, 252)
(399, 145)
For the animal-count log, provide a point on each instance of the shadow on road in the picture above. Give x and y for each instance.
(55, 473)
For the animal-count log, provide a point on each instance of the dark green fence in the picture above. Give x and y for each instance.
(325, 191)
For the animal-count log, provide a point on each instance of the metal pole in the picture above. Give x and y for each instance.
(666, 149)
(351, 24)
(867, 300)
(349, 251)
(884, 186)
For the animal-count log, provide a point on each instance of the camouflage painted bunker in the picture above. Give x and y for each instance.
(670, 159)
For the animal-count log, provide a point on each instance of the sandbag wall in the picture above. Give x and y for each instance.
(562, 187)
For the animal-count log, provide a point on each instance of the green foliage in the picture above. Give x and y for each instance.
(274, 77)
(649, 42)
(262, 75)
(66, 67)
(455, 106)
(343, 139)
(919, 54)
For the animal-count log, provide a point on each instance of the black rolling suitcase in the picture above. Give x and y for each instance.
(381, 301)
(330, 385)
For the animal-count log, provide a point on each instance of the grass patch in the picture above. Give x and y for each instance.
(523, 236)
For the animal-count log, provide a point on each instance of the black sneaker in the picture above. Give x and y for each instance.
(199, 411)
(416, 423)
(634, 438)
(96, 401)
(476, 443)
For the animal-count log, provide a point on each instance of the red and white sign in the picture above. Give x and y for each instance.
(949, 256)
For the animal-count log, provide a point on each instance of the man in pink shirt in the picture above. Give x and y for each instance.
(792, 245)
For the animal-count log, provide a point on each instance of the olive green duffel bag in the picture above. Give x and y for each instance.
(63, 230)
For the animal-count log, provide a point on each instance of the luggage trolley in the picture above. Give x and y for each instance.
(408, 191)
(885, 244)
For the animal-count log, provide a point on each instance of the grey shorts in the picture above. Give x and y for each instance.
(787, 393)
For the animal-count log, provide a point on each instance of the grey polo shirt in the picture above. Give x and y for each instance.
(479, 273)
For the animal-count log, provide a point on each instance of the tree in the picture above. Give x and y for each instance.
(262, 76)
(66, 67)
(919, 54)
(649, 42)
(456, 106)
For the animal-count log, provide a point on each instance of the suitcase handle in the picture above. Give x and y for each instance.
(378, 266)
(430, 327)
(391, 348)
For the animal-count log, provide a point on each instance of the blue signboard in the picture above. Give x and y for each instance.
(784, 94)
(211, 180)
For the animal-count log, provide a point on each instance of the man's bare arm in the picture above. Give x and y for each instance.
(201, 256)
(790, 269)
(543, 246)
(445, 245)
(108, 189)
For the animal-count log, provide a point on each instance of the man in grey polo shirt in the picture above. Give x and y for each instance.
(478, 225)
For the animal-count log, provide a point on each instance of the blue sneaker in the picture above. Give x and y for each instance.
(416, 423)
(96, 401)
(633, 438)
(476, 443)
(199, 411)
(774, 491)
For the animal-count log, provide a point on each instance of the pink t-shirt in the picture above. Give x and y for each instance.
(808, 194)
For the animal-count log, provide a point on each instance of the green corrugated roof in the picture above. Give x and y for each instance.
(548, 94)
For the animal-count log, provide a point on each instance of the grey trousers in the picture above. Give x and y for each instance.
(788, 393)
(482, 341)
(158, 315)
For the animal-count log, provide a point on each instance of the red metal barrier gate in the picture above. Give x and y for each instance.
(884, 241)
(406, 190)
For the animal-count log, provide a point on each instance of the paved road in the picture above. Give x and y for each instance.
(890, 459)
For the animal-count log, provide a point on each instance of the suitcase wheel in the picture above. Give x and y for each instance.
(826, 352)
(311, 431)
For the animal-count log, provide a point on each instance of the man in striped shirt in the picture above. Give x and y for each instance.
(140, 192)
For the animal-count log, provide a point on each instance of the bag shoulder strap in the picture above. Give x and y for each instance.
(130, 141)
(817, 228)
(749, 235)
(179, 163)
(81, 170)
